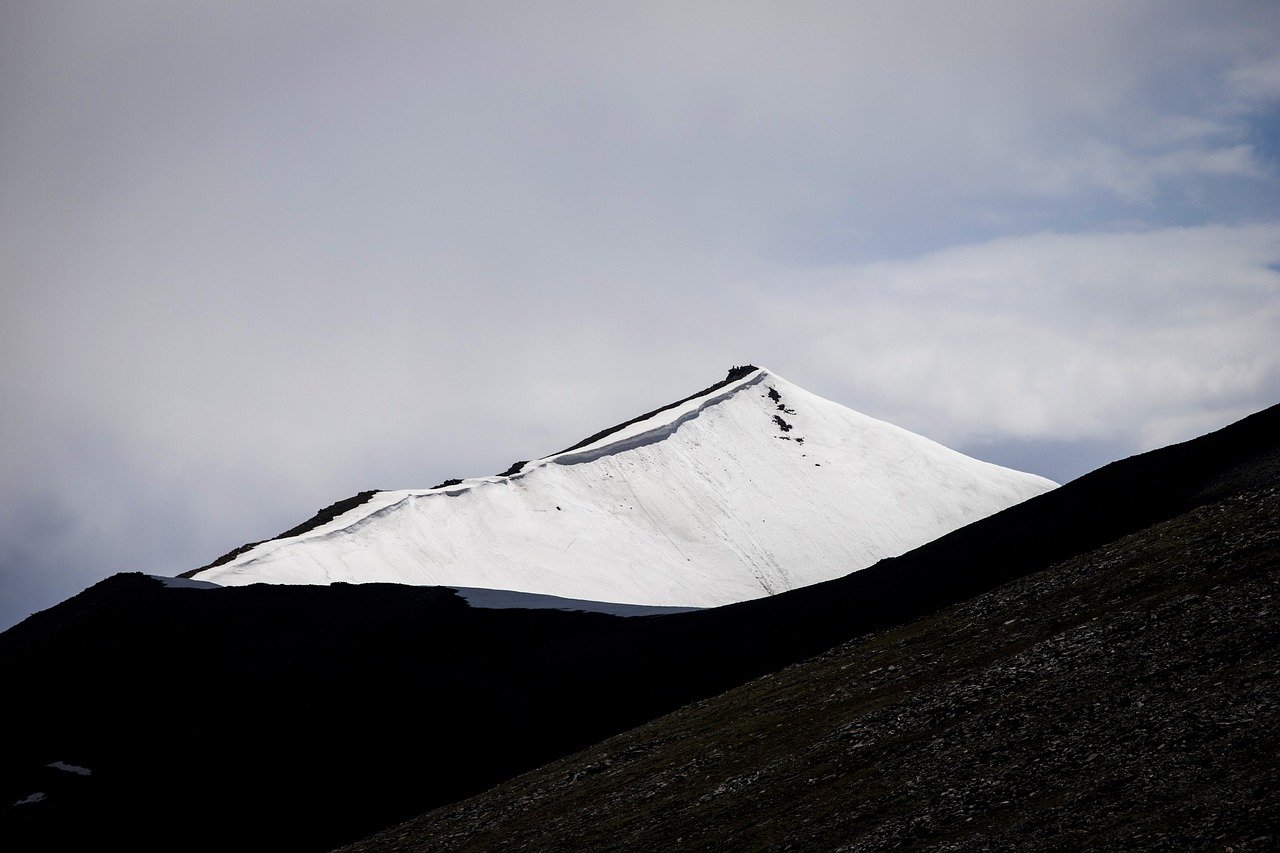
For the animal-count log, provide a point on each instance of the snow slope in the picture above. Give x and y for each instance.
(492, 599)
(750, 489)
(501, 599)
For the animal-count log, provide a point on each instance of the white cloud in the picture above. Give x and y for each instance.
(1135, 176)
(1256, 81)
(1143, 336)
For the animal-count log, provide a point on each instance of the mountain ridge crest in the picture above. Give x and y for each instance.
(749, 487)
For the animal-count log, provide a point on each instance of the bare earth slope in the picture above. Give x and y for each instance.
(1127, 698)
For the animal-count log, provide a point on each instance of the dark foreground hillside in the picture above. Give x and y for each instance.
(1126, 698)
(301, 718)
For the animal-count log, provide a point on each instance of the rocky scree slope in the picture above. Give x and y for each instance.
(1128, 698)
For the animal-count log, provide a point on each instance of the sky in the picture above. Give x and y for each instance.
(256, 257)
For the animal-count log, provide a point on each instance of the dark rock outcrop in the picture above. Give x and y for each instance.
(323, 516)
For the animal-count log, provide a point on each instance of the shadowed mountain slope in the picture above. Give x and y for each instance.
(1127, 698)
(303, 717)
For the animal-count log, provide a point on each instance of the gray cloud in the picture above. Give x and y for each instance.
(256, 257)
(1144, 337)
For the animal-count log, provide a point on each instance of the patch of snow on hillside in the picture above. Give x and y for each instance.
(185, 583)
(70, 768)
(504, 599)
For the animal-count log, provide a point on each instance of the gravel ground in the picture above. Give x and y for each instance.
(1123, 699)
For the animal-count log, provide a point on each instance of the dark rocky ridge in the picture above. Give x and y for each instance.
(444, 484)
(1126, 699)
(735, 373)
(324, 713)
(323, 516)
(514, 468)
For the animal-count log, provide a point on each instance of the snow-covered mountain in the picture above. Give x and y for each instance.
(753, 487)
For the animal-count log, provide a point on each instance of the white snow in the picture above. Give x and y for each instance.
(70, 768)
(185, 583)
(704, 504)
(37, 797)
(505, 599)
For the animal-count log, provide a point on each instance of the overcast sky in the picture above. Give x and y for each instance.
(255, 257)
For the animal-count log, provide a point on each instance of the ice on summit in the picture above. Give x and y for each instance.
(751, 488)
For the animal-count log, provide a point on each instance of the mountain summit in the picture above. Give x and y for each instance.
(749, 488)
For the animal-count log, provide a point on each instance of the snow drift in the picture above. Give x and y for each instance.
(751, 488)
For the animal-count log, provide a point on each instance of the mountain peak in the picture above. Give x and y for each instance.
(749, 487)
(736, 373)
